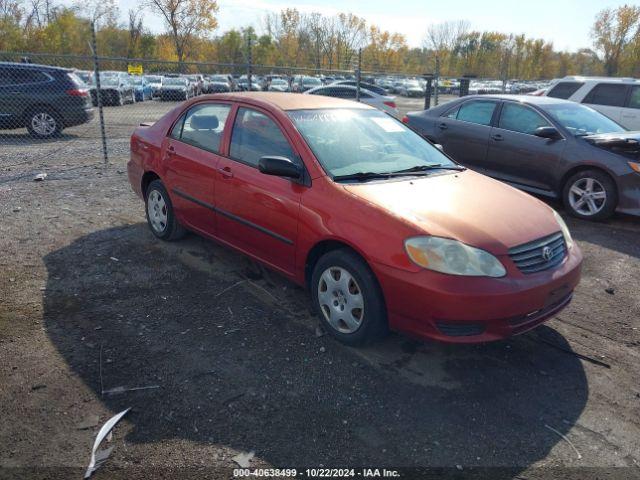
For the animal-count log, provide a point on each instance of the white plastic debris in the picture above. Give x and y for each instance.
(40, 177)
(243, 459)
(98, 457)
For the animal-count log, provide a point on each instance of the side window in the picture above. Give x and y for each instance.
(346, 93)
(256, 135)
(479, 112)
(176, 131)
(5, 77)
(24, 76)
(564, 89)
(453, 113)
(204, 125)
(634, 99)
(520, 118)
(609, 94)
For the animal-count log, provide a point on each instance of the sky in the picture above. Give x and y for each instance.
(567, 23)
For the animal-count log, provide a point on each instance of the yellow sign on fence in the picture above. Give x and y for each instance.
(134, 69)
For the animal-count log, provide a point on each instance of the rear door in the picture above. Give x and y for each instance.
(609, 99)
(516, 154)
(9, 111)
(191, 155)
(464, 131)
(630, 117)
(258, 213)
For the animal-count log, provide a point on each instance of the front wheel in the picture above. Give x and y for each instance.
(348, 298)
(160, 215)
(590, 195)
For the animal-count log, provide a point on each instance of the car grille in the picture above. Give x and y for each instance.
(531, 258)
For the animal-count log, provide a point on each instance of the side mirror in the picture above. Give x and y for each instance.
(547, 132)
(280, 167)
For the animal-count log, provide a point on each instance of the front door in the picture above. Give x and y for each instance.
(516, 154)
(191, 156)
(258, 213)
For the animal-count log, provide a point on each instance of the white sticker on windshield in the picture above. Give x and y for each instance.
(388, 124)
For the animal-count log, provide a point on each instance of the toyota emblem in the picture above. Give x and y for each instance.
(547, 253)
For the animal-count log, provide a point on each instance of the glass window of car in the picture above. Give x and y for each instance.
(477, 111)
(25, 76)
(607, 94)
(348, 141)
(520, 118)
(5, 77)
(564, 89)
(176, 131)
(581, 120)
(634, 98)
(255, 135)
(204, 125)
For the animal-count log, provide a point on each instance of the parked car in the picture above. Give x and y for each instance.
(155, 81)
(303, 83)
(411, 88)
(44, 100)
(617, 98)
(220, 84)
(347, 92)
(198, 83)
(243, 84)
(176, 88)
(278, 85)
(116, 88)
(383, 228)
(143, 89)
(363, 85)
(84, 75)
(544, 145)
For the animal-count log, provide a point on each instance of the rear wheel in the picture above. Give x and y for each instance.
(591, 195)
(348, 298)
(43, 123)
(160, 215)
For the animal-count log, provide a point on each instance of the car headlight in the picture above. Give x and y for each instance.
(565, 230)
(450, 256)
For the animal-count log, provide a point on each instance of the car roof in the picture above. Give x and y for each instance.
(531, 99)
(34, 65)
(578, 78)
(290, 101)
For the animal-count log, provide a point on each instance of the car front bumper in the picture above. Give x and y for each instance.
(457, 309)
(629, 193)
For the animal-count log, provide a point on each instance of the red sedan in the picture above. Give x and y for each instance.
(385, 230)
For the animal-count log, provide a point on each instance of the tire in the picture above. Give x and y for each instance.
(42, 122)
(590, 204)
(353, 312)
(157, 201)
(120, 100)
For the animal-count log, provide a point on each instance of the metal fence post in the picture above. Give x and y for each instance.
(358, 75)
(249, 62)
(436, 82)
(96, 73)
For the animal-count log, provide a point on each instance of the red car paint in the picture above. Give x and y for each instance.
(279, 223)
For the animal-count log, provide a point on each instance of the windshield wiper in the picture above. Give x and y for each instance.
(361, 176)
(424, 168)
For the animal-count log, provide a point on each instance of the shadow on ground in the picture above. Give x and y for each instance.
(238, 371)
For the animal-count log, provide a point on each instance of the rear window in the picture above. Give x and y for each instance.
(609, 94)
(564, 89)
(23, 76)
(634, 99)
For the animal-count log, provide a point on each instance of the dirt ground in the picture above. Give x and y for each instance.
(90, 302)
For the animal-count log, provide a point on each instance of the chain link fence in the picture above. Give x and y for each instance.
(86, 113)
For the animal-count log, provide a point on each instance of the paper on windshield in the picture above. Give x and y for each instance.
(388, 124)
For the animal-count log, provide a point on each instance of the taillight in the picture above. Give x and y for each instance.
(405, 119)
(78, 92)
(390, 104)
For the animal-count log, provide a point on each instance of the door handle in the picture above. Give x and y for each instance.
(170, 151)
(443, 126)
(226, 172)
(497, 137)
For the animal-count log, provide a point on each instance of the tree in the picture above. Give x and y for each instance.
(186, 20)
(613, 31)
(441, 38)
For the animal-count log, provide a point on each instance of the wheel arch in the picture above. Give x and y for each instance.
(325, 246)
(581, 168)
(41, 105)
(147, 178)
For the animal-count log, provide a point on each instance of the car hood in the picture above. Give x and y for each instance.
(465, 206)
(625, 143)
(174, 87)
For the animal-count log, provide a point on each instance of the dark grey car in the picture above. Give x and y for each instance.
(547, 146)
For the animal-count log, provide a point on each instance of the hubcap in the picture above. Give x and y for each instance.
(587, 196)
(157, 211)
(43, 123)
(341, 299)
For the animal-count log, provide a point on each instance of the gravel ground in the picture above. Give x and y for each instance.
(90, 301)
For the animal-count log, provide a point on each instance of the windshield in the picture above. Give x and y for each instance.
(277, 81)
(153, 79)
(311, 81)
(175, 81)
(349, 141)
(219, 78)
(581, 120)
(109, 79)
(137, 80)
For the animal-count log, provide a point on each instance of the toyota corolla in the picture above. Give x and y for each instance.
(385, 230)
